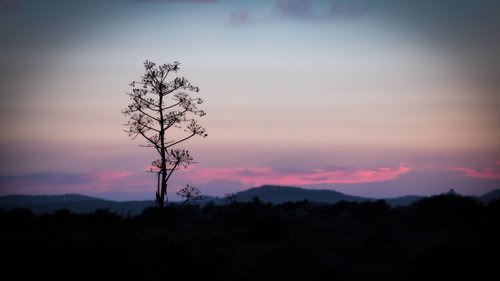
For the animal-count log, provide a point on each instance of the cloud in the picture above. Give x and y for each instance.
(180, 1)
(492, 172)
(346, 10)
(90, 182)
(42, 179)
(240, 17)
(107, 176)
(302, 10)
(263, 175)
(8, 6)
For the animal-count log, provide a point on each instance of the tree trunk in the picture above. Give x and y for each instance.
(163, 168)
(161, 219)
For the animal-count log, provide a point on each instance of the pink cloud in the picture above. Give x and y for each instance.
(492, 172)
(263, 175)
(107, 176)
(102, 181)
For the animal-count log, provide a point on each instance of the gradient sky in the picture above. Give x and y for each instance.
(376, 98)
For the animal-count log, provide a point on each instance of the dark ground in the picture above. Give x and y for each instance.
(444, 237)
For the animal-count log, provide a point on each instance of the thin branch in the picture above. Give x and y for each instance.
(149, 127)
(171, 171)
(148, 102)
(180, 113)
(179, 141)
(148, 115)
(171, 106)
(147, 138)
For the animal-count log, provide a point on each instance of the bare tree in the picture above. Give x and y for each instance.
(159, 106)
(231, 198)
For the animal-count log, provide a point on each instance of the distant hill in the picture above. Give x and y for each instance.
(488, 197)
(40, 204)
(280, 194)
(45, 199)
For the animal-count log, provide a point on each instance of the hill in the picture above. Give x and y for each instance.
(40, 204)
(281, 194)
(490, 196)
(45, 199)
(76, 203)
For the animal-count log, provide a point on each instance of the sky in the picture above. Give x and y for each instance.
(379, 98)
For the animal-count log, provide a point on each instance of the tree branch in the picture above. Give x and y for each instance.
(179, 141)
(147, 138)
(148, 115)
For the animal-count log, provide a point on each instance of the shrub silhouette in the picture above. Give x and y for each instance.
(494, 211)
(62, 213)
(370, 211)
(21, 215)
(446, 210)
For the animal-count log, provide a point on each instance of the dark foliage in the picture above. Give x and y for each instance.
(442, 237)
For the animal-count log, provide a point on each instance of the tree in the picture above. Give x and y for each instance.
(231, 198)
(159, 106)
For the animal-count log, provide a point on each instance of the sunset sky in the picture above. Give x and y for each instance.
(376, 98)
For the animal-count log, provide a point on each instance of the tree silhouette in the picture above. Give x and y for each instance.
(189, 193)
(160, 105)
(231, 198)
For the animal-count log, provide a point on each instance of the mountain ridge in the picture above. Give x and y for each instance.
(277, 194)
(267, 193)
(46, 199)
